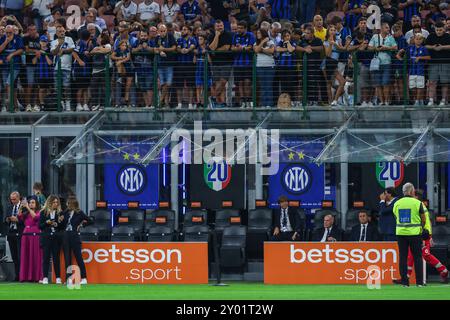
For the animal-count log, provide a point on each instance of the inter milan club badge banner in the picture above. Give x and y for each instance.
(216, 181)
(126, 180)
(298, 177)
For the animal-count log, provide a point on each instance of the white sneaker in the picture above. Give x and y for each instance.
(58, 281)
(79, 107)
(86, 108)
(45, 281)
(250, 104)
(96, 107)
(36, 108)
(67, 108)
(430, 103)
(152, 107)
(417, 103)
(83, 281)
(4, 109)
(334, 103)
(179, 106)
(190, 106)
(442, 104)
(243, 105)
(29, 108)
(370, 104)
(40, 281)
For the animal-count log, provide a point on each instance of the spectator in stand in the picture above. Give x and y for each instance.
(435, 15)
(242, 46)
(329, 232)
(304, 11)
(190, 10)
(44, 70)
(41, 10)
(387, 219)
(82, 70)
(280, 10)
(170, 11)
(313, 47)
(62, 49)
(319, 30)
(238, 10)
(11, 49)
(30, 251)
(286, 64)
(416, 22)
(265, 67)
(362, 27)
(287, 225)
(410, 8)
(126, 10)
(185, 68)
(389, 13)
(397, 65)
(330, 68)
(220, 42)
(148, 13)
(143, 63)
(12, 8)
(122, 58)
(364, 230)
(382, 44)
(14, 230)
(52, 22)
(100, 22)
(417, 56)
(275, 32)
(99, 55)
(352, 10)
(200, 59)
(31, 43)
(165, 47)
(106, 7)
(90, 23)
(438, 43)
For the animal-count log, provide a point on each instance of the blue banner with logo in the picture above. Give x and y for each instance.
(298, 177)
(126, 180)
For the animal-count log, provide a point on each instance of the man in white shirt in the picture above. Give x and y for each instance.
(62, 49)
(416, 23)
(329, 232)
(126, 10)
(364, 231)
(287, 223)
(148, 12)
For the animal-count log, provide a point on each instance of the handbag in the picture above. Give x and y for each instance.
(375, 62)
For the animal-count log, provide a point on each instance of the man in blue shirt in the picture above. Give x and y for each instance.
(242, 46)
(352, 10)
(11, 49)
(185, 69)
(191, 11)
(280, 9)
(410, 8)
(165, 48)
(143, 54)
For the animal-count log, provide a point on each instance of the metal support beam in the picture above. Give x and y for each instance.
(163, 141)
(409, 155)
(332, 143)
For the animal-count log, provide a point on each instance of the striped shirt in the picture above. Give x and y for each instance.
(351, 20)
(190, 11)
(186, 43)
(243, 58)
(44, 70)
(286, 59)
(409, 11)
(281, 9)
(417, 68)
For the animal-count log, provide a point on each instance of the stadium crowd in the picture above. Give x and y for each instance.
(181, 49)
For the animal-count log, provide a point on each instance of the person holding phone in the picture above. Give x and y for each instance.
(73, 219)
(49, 223)
(30, 253)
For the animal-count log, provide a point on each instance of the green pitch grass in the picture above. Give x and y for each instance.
(235, 291)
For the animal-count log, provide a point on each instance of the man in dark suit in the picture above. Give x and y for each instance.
(287, 223)
(387, 221)
(14, 229)
(364, 231)
(329, 232)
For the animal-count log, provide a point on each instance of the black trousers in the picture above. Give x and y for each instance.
(284, 236)
(72, 244)
(415, 243)
(51, 247)
(14, 245)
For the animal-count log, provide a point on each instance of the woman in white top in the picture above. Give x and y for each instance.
(265, 66)
(170, 11)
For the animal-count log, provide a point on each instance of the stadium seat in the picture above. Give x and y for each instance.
(123, 233)
(196, 233)
(102, 221)
(160, 233)
(259, 226)
(200, 218)
(89, 233)
(222, 221)
(441, 239)
(135, 219)
(318, 217)
(151, 219)
(232, 249)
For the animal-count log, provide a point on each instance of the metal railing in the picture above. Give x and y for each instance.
(152, 82)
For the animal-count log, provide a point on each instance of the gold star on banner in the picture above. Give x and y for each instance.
(126, 156)
(301, 155)
(291, 156)
(136, 156)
